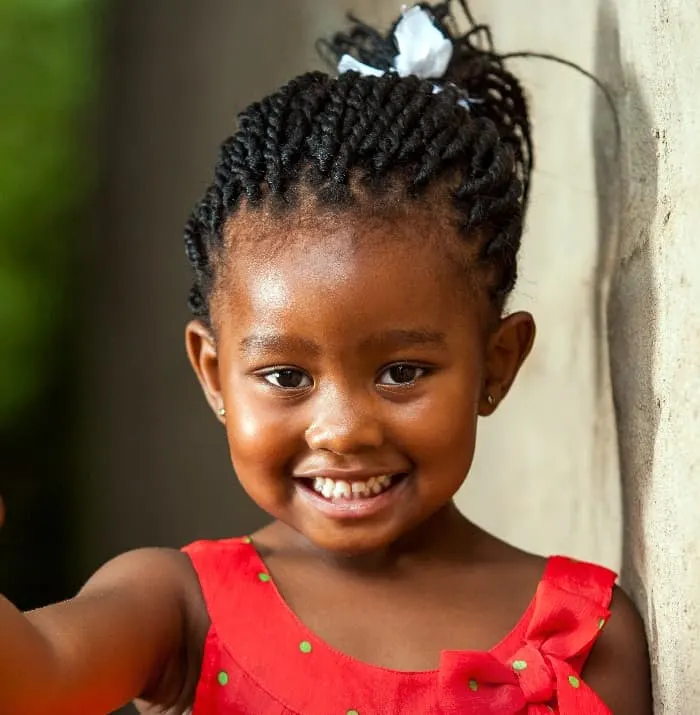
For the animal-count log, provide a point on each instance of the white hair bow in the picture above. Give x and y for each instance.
(423, 51)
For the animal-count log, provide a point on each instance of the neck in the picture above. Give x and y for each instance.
(445, 535)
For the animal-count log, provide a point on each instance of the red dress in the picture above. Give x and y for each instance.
(259, 659)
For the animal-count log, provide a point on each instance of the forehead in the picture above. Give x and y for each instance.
(263, 234)
(366, 269)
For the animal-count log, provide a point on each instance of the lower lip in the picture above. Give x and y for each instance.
(352, 508)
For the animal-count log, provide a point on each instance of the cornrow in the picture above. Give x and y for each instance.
(318, 133)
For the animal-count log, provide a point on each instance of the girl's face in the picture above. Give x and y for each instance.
(353, 364)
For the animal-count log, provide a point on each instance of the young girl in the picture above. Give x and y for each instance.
(352, 258)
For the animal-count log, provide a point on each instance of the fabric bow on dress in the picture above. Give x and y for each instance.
(540, 677)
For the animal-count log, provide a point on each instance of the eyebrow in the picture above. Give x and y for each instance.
(404, 338)
(395, 339)
(276, 343)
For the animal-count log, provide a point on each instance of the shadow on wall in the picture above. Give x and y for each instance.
(627, 184)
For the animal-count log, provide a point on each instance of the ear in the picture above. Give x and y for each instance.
(507, 347)
(201, 350)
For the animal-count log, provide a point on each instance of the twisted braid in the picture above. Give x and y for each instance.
(318, 133)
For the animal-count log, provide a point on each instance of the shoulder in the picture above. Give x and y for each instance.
(148, 573)
(175, 574)
(163, 583)
(152, 580)
(618, 667)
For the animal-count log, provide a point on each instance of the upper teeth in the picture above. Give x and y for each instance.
(339, 489)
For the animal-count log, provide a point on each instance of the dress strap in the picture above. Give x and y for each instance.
(225, 571)
(579, 584)
(595, 583)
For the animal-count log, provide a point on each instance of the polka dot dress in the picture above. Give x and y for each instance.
(260, 659)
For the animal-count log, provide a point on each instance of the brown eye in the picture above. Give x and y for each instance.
(401, 374)
(288, 379)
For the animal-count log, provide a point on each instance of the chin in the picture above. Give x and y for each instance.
(356, 540)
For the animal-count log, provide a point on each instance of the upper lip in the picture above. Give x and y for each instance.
(349, 475)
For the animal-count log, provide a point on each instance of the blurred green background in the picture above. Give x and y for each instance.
(48, 81)
(110, 118)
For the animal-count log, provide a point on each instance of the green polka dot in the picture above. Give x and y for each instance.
(519, 665)
(222, 678)
(352, 712)
(473, 686)
(305, 647)
(574, 682)
(246, 540)
(264, 577)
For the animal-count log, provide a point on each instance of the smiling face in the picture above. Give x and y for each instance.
(353, 364)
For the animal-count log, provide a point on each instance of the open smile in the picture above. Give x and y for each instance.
(349, 499)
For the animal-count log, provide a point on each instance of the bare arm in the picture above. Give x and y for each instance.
(618, 668)
(100, 650)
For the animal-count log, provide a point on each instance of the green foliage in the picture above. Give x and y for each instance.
(46, 83)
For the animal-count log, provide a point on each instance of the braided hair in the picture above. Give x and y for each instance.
(326, 135)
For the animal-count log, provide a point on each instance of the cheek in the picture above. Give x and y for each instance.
(260, 437)
(261, 447)
(442, 425)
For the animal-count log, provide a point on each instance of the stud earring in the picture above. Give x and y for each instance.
(491, 399)
(222, 411)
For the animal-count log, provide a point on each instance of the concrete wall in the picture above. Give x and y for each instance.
(608, 252)
(648, 51)
(614, 289)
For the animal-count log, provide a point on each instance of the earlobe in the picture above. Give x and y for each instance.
(507, 348)
(201, 351)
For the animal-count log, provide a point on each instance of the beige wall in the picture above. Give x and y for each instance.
(545, 475)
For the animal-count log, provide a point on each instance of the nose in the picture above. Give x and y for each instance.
(344, 423)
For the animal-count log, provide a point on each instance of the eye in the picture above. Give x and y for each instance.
(401, 374)
(287, 378)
